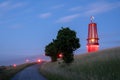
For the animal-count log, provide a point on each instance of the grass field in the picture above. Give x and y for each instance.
(102, 65)
(7, 72)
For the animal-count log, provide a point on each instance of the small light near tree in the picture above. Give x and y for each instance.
(27, 60)
(14, 65)
(38, 60)
(60, 55)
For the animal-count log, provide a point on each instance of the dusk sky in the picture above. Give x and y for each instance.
(27, 26)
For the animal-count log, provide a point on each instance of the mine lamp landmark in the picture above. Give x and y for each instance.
(92, 40)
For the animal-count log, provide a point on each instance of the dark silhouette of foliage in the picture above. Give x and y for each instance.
(50, 50)
(68, 42)
(65, 43)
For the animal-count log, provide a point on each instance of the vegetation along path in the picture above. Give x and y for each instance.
(30, 73)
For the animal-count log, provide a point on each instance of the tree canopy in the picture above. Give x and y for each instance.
(51, 51)
(66, 42)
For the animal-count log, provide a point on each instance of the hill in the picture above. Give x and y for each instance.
(102, 65)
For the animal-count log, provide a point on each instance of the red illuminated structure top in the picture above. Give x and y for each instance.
(92, 40)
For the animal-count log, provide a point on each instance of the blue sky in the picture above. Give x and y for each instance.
(27, 26)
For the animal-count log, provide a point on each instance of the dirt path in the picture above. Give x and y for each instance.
(30, 73)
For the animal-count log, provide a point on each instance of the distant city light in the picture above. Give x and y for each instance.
(27, 60)
(14, 65)
(60, 55)
(38, 60)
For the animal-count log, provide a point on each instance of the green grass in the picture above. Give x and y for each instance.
(102, 65)
(10, 71)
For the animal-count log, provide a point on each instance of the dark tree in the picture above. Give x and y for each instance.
(50, 50)
(67, 43)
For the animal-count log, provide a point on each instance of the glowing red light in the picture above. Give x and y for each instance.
(14, 65)
(38, 60)
(60, 55)
(92, 48)
(92, 40)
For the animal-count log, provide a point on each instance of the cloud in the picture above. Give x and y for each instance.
(75, 8)
(58, 6)
(88, 10)
(17, 5)
(95, 8)
(7, 5)
(16, 26)
(100, 7)
(45, 15)
(68, 18)
(4, 4)
(10, 5)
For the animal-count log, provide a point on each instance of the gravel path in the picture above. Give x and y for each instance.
(30, 73)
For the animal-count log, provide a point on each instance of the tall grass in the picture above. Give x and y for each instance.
(8, 72)
(102, 65)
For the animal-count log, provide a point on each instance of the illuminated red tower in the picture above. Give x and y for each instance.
(92, 40)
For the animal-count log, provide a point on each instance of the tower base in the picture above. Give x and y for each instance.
(92, 48)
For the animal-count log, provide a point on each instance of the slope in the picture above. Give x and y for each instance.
(102, 65)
